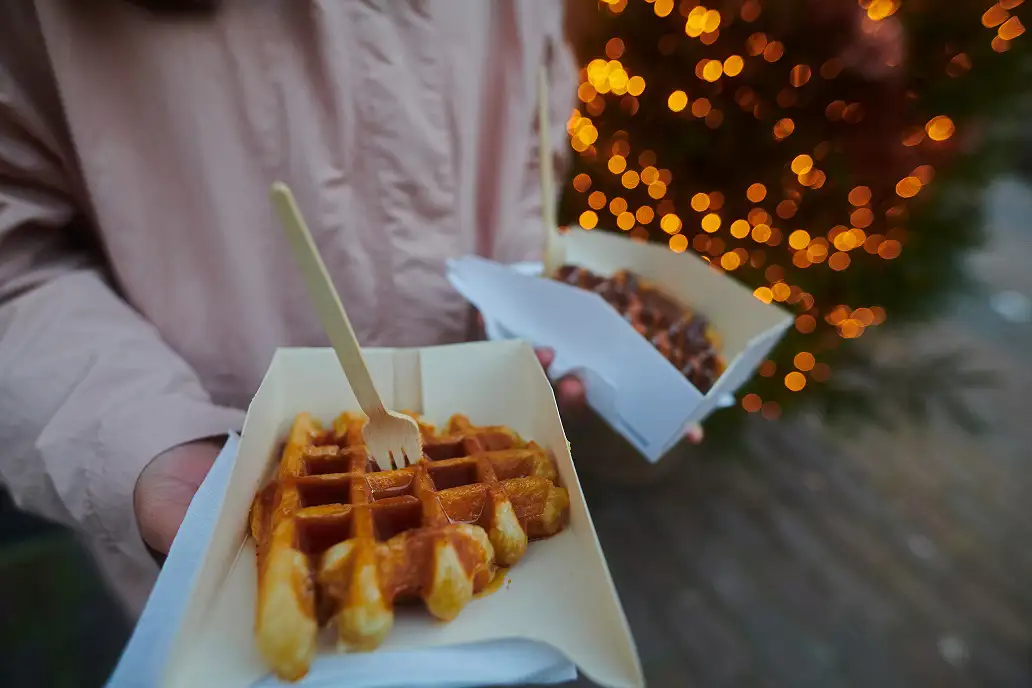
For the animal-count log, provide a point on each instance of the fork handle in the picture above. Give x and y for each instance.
(554, 253)
(327, 301)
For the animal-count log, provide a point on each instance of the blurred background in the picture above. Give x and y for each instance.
(860, 517)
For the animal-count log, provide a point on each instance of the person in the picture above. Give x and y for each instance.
(144, 280)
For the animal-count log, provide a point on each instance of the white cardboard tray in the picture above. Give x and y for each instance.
(559, 594)
(629, 383)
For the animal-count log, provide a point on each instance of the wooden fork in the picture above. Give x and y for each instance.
(392, 438)
(555, 253)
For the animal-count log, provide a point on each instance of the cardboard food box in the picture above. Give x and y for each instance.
(560, 594)
(629, 383)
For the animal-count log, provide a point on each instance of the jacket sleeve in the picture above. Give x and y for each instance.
(89, 393)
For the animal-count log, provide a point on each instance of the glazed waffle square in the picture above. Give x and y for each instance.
(337, 538)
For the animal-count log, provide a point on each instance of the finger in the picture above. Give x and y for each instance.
(545, 356)
(571, 392)
(695, 434)
(163, 501)
(165, 489)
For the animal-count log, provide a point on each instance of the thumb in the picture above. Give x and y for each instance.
(165, 489)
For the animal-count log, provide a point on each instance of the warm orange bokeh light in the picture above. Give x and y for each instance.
(764, 294)
(710, 222)
(940, 128)
(839, 261)
(860, 195)
(739, 229)
(865, 316)
(799, 75)
(1011, 29)
(657, 190)
(750, 11)
(783, 128)
(959, 65)
(804, 361)
(730, 261)
(614, 48)
(786, 209)
(773, 51)
(701, 107)
(802, 164)
(758, 216)
(677, 101)
(861, 217)
(925, 173)
(835, 109)
(890, 249)
(850, 328)
(908, 187)
(795, 381)
(671, 224)
(644, 214)
(799, 239)
(733, 65)
(756, 43)
(806, 323)
(880, 9)
(994, 16)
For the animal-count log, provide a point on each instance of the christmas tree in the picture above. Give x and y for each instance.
(828, 153)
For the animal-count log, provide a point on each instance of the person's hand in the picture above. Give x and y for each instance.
(166, 486)
(569, 389)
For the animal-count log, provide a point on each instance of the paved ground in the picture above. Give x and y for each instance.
(868, 560)
(821, 560)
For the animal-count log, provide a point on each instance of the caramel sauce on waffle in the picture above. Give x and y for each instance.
(337, 538)
(495, 584)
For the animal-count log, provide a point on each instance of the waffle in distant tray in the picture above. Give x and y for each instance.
(339, 539)
(684, 338)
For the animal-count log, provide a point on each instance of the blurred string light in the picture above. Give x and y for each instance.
(733, 65)
(784, 128)
(872, 223)
(1007, 27)
(880, 9)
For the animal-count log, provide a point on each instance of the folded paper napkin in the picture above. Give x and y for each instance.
(504, 662)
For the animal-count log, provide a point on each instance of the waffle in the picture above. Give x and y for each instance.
(684, 338)
(339, 539)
